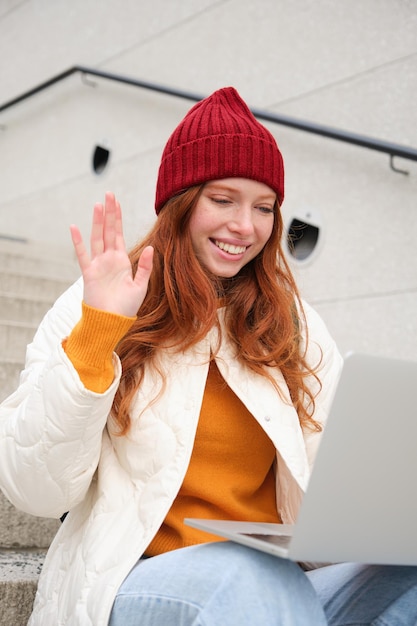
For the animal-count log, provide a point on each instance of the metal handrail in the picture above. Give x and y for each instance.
(392, 149)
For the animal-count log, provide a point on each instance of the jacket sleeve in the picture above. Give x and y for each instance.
(323, 355)
(51, 426)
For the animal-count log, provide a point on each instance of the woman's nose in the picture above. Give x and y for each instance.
(242, 221)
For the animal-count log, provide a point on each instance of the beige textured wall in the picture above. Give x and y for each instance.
(345, 63)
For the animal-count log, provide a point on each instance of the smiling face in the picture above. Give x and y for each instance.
(231, 223)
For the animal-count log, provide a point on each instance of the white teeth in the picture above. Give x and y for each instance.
(228, 247)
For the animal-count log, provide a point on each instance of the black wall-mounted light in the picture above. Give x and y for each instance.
(304, 234)
(101, 156)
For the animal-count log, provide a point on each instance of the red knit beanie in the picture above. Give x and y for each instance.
(219, 138)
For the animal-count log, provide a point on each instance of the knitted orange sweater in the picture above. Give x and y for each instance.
(230, 475)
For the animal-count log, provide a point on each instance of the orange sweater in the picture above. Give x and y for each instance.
(230, 475)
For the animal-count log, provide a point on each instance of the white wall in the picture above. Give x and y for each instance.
(351, 64)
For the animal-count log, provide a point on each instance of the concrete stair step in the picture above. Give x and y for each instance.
(21, 530)
(33, 286)
(40, 260)
(9, 377)
(14, 337)
(19, 575)
(22, 308)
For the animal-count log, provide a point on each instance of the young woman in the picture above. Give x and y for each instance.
(186, 379)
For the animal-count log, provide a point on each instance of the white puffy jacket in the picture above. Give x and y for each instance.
(57, 454)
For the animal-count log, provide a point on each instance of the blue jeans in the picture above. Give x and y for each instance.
(364, 595)
(224, 584)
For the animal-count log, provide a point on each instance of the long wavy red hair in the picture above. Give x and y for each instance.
(263, 310)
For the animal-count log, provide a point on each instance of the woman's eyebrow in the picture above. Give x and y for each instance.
(227, 188)
(220, 187)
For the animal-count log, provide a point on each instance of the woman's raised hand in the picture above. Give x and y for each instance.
(109, 284)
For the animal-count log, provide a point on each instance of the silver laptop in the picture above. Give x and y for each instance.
(361, 501)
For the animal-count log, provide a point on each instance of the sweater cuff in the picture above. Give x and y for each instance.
(91, 344)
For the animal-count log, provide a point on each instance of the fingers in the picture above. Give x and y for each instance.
(145, 263)
(109, 224)
(119, 238)
(96, 237)
(79, 247)
(107, 229)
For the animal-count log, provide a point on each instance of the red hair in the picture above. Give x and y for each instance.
(263, 310)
